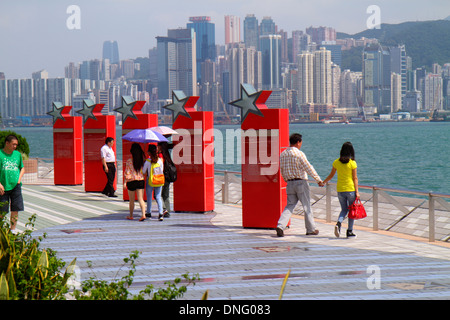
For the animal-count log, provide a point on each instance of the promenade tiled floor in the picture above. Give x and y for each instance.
(233, 262)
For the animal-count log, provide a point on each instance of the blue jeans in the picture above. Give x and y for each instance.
(346, 199)
(149, 190)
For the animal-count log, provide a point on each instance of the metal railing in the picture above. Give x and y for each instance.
(374, 195)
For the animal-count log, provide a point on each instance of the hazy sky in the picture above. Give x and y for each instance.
(34, 33)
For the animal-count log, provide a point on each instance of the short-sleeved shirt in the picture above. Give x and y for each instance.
(345, 175)
(10, 166)
(107, 153)
(148, 165)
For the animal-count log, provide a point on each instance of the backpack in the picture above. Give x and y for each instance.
(170, 171)
(156, 176)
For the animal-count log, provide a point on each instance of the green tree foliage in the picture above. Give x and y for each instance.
(23, 146)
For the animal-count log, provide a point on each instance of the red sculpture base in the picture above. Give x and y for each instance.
(263, 188)
(194, 188)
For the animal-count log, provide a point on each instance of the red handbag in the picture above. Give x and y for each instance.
(356, 210)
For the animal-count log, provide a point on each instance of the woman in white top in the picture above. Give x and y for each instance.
(156, 164)
(134, 179)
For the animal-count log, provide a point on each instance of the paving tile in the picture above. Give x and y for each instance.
(233, 262)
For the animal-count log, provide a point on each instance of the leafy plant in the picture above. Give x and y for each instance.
(23, 146)
(26, 271)
(29, 273)
(93, 289)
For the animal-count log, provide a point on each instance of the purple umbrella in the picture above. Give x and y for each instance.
(144, 136)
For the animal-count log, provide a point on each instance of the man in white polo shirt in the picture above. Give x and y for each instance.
(109, 166)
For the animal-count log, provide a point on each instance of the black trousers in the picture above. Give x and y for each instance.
(110, 176)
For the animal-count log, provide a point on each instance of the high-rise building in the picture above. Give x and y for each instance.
(412, 101)
(270, 47)
(72, 71)
(127, 68)
(111, 51)
(322, 77)
(300, 43)
(377, 77)
(305, 62)
(335, 84)
(205, 35)
(336, 52)
(396, 92)
(432, 95)
(244, 66)
(320, 34)
(177, 63)
(349, 89)
(399, 65)
(251, 33)
(267, 27)
(232, 29)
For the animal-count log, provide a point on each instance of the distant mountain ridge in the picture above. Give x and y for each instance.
(426, 42)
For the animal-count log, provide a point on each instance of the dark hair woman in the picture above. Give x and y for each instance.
(165, 192)
(153, 167)
(347, 185)
(135, 179)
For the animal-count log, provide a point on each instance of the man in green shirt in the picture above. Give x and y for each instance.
(11, 173)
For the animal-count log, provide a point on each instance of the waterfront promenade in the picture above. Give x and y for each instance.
(233, 262)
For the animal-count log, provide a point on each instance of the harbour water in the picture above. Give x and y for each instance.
(410, 155)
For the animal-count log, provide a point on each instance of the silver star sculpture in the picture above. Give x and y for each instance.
(179, 100)
(127, 108)
(88, 109)
(56, 113)
(247, 102)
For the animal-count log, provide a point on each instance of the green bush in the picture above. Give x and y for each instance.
(93, 289)
(26, 271)
(23, 146)
(30, 273)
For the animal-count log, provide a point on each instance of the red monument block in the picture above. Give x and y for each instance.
(265, 134)
(67, 146)
(192, 155)
(97, 127)
(133, 118)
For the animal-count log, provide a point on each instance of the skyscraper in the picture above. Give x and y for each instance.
(111, 51)
(205, 35)
(398, 64)
(300, 42)
(322, 77)
(232, 29)
(377, 77)
(267, 26)
(305, 63)
(251, 33)
(432, 97)
(177, 64)
(244, 65)
(270, 47)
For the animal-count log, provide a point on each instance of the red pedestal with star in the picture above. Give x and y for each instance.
(263, 189)
(194, 158)
(68, 149)
(95, 133)
(143, 121)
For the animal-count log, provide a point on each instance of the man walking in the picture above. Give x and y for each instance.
(295, 169)
(11, 173)
(109, 166)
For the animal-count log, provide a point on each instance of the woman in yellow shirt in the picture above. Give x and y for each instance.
(347, 185)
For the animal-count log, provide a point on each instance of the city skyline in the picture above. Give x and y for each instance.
(36, 36)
